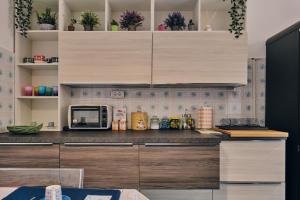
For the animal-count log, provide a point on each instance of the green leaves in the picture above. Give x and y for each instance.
(89, 18)
(237, 14)
(47, 17)
(23, 12)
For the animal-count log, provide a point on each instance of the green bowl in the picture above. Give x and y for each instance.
(25, 129)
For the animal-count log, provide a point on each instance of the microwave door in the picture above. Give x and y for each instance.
(85, 117)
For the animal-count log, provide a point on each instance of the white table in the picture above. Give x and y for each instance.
(126, 194)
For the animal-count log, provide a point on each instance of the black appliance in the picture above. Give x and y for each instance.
(283, 98)
(241, 124)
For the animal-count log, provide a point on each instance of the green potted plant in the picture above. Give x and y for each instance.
(71, 26)
(114, 25)
(23, 12)
(175, 21)
(46, 19)
(191, 25)
(130, 20)
(89, 20)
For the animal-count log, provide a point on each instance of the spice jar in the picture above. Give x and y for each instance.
(154, 123)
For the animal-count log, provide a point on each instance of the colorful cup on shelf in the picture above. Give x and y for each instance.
(49, 91)
(28, 90)
(42, 90)
(55, 91)
(36, 91)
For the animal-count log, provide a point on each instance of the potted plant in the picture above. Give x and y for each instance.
(237, 14)
(23, 12)
(191, 25)
(175, 21)
(114, 25)
(47, 19)
(130, 20)
(89, 20)
(71, 27)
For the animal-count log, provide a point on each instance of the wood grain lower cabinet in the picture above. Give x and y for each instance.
(31, 155)
(105, 57)
(104, 166)
(199, 57)
(253, 161)
(178, 194)
(250, 192)
(179, 167)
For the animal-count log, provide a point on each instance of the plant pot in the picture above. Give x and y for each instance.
(132, 28)
(71, 28)
(114, 27)
(175, 28)
(191, 27)
(47, 27)
(88, 28)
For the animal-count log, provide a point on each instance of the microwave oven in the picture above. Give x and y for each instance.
(89, 116)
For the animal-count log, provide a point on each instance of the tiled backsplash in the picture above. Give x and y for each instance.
(247, 101)
(6, 88)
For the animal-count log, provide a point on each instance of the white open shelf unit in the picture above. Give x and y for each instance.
(47, 109)
(202, 12)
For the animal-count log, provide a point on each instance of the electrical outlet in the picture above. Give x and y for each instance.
(117, 94)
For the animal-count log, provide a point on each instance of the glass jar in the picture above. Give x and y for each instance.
(154, 123)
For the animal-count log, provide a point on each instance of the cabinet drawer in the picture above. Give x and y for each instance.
(252, 161)
(179, 167)
(250, 192)
(178, 194)
(29, 156)
(104, 166)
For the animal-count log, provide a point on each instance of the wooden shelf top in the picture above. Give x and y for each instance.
(42, 35)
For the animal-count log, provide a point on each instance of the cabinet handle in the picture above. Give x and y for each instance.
(170, 144)
(26, 144)
(98, 144)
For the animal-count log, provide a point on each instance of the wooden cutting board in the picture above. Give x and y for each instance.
(254, 133)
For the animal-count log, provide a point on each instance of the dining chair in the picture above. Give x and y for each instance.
(66, 177)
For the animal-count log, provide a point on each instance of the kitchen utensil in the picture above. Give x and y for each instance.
(139, 120)
(25, 129)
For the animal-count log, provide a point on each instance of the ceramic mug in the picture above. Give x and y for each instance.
(55, 91)
(36, 91)
(42, 90)
(49, 91)
(28, 90)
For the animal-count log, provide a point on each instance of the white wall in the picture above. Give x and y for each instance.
(6, 24)
(267, 17)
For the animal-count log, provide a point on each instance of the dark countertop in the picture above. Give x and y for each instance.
(107, 136)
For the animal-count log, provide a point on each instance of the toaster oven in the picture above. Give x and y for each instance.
(89, 116)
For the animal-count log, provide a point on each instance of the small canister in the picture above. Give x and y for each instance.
(115, 125)
(154, 123)
(204, 118)
(122, 125)
(164, 123)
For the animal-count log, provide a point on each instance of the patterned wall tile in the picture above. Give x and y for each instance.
(6, 89)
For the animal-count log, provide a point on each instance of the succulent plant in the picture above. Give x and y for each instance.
(114, 23)
(89, 18)
(175, 21)
(47, 17)
(73, 21)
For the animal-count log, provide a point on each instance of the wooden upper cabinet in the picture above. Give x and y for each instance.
(104, 166)
(105, 57)
(199, 57)
(179, 167)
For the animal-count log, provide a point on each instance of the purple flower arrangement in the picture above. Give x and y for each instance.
(130, 20)
(175, 21)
